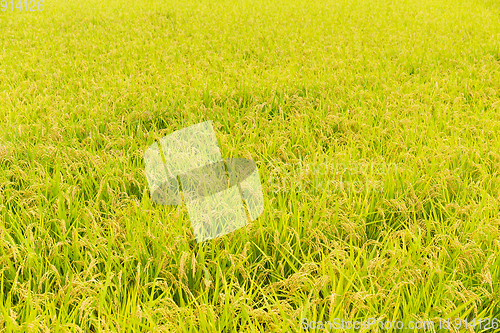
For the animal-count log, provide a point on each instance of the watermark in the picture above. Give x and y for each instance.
(189, 167)
(22, 5)
(425, 325)
(329, 177)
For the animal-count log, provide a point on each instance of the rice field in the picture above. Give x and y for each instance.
(375, 127)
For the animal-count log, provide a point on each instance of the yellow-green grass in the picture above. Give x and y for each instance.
(314, 91)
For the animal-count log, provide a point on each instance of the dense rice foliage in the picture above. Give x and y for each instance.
(375, 126)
